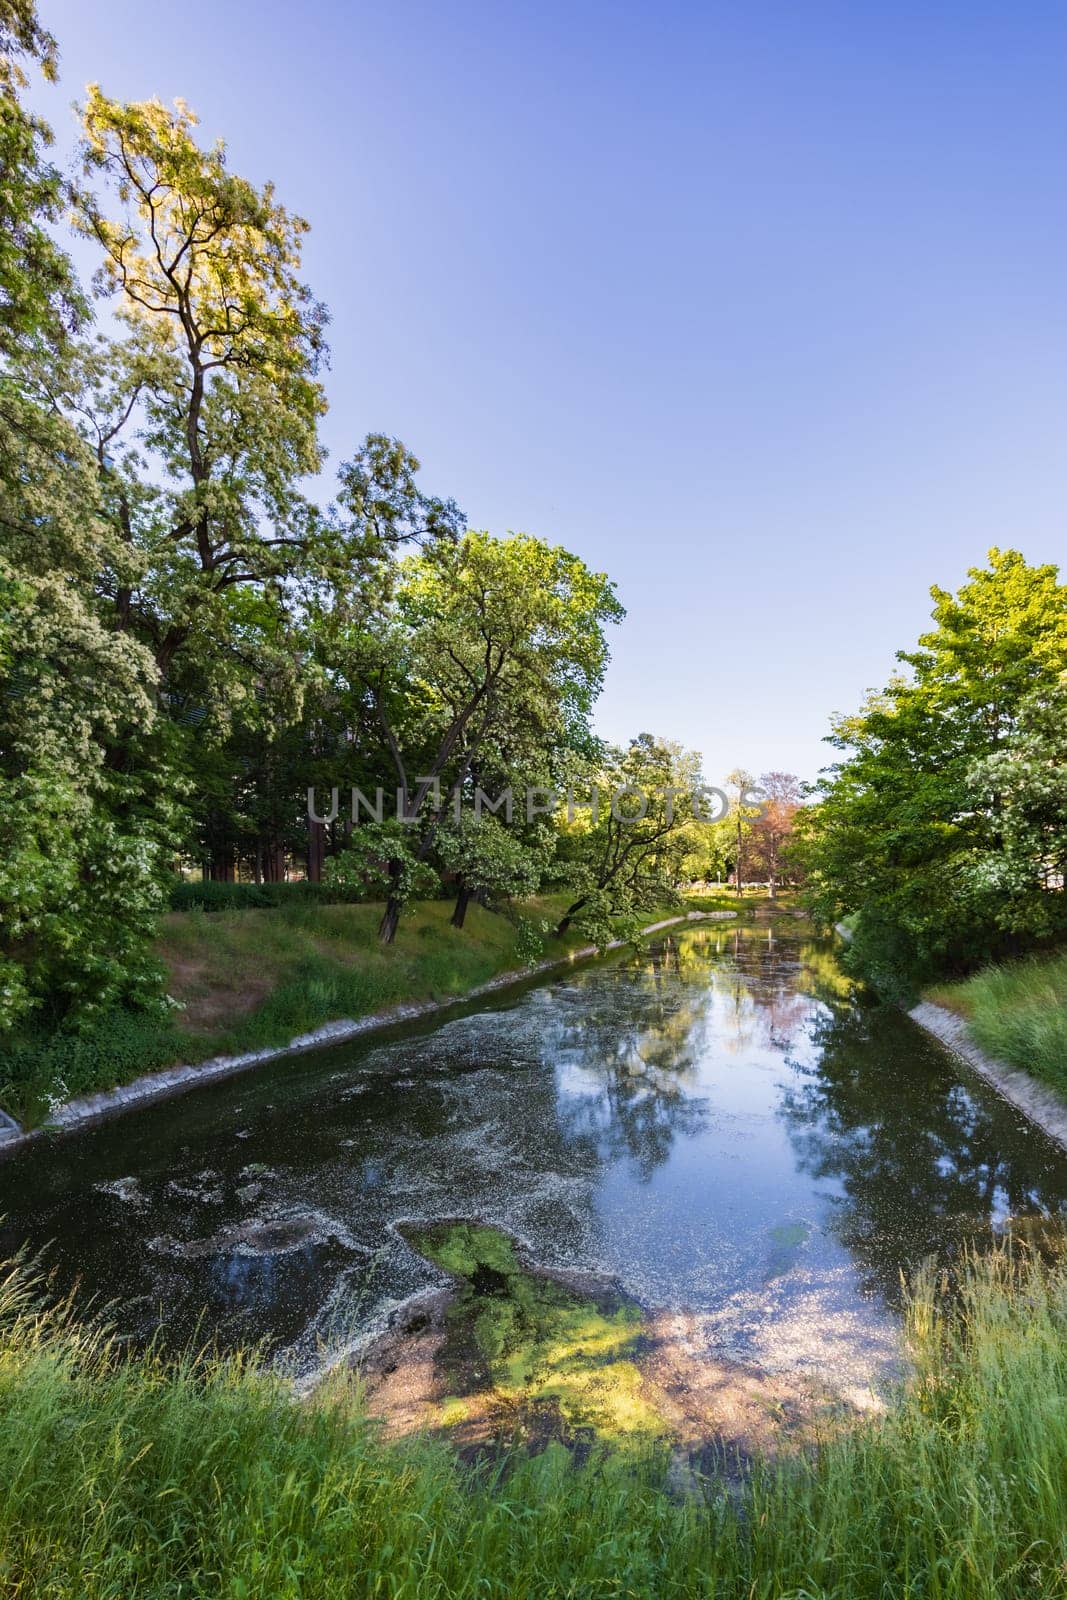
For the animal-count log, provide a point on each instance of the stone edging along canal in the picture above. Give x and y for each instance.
(175, 1080)
(1042, 1106)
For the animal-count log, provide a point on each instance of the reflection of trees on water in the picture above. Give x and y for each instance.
(642, 1035)
(920, 1161)
(762, 988)
(637, 1039)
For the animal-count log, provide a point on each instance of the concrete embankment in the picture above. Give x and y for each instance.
(1033, 1099)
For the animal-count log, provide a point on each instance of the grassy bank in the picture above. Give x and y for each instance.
(245, 979)
(1017, 1013)
(122, 1477)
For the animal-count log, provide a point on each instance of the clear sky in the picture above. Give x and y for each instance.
(760, 307)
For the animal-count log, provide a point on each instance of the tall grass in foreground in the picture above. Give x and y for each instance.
(122, 1478)
(1018, 1013)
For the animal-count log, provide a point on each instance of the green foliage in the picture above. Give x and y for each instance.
(215, 383)
(530, 939)
(496, 860)
(38, 293)
(382, 858)
(207, 895)
(483, 652)
(38, 1072)
(203, 1477)
(1026, 782)
(630, 856)
(82, 830)
(911, 831)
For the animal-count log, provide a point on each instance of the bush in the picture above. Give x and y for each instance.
(39, 1071)
(211, 896)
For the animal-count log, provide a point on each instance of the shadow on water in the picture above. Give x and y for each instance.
(716, 1120)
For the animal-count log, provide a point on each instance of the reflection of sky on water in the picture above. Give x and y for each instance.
(714, 1120)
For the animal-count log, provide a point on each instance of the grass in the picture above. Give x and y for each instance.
(126, 1476)
(1018, 1013)
(248, 979)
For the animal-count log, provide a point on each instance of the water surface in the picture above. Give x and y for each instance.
(716, 1120)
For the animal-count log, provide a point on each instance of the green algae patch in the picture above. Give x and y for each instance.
(786, 1241)
(549, 1353)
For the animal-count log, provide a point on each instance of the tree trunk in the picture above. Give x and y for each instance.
(393, 906)
(222, 867)
(390, 920)
(737, 866)
(316, 850)
(463, 900)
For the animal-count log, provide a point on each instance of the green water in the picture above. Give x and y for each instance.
(717, 1121)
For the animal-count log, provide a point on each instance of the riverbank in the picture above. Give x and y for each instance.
(204, 1477)
(1009, 1024)
(250, 986)
(1017, 1013)
(1045, 1108)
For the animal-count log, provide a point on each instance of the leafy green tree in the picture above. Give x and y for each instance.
(39, 297)
(901, 835)
(492, 861)
(204, 416)
(628, 855)
(382, 858)
(1025, 784)
(480, 634)
(81, 844)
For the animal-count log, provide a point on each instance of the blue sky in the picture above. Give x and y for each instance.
(762, 308)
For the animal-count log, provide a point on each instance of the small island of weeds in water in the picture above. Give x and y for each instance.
(203, 1477)
(531, 1352)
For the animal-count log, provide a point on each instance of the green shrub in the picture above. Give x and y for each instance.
(40, 1070)
(210, 896)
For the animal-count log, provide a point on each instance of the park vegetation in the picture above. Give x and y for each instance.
(941, 833)
(192, 638)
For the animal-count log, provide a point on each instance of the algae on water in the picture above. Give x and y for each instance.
(531, 1343)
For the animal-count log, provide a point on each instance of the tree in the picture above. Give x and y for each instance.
(744, 808)
(628, 855)
(381, 858)
(1026, 781)
(204, 417)
(900, 834)
(492, 861)
(80, 845)
(480, 633)
(772, 829)
(39, 297)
